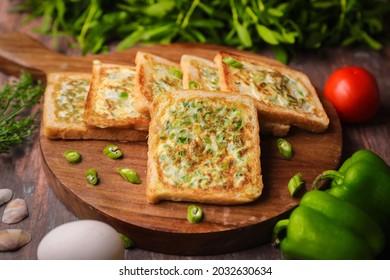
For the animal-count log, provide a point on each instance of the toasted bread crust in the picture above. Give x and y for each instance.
(60, 123)
(91, 133)
(163, 183)
(234, 80)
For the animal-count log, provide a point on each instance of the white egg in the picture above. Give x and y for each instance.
(82, 240)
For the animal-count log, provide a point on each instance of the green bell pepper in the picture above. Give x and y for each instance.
(364, 180)
(326, 227)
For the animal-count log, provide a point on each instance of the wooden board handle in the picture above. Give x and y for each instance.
(18, 51)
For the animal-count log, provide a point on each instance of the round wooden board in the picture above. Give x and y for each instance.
(163, 227)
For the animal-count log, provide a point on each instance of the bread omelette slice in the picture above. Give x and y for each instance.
(111, 97)
(201, 73)
(154, 75)
(204, 146)
(280, 94)
(63, 111)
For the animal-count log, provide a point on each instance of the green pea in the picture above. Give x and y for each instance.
(194, 214)
(72, 156)
(129, 175)
(112, 151)
(92, 176)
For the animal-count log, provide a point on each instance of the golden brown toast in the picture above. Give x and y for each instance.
(281, 94)
(110, 101)
(154, 74)
(201, 73)
(63, 111)
(204, 146)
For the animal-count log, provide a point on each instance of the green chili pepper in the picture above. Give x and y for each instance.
(363, 179)
(92, 176)
(232, 62)
(175, 72)
(112, 151)
(127, 242)
(183, 140)
(284, 148)
(129, 175)
(193, 85)
(295, 184)
(72, 156)
(194, 214)
(237, 123)
(326, 227)
(124, 95)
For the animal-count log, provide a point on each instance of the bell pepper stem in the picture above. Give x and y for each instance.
(334, 175)
(279, 228)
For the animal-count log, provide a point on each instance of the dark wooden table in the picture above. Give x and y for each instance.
(21, 171)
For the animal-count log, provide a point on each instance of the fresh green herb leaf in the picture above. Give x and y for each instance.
(95, 24)
(266, 34)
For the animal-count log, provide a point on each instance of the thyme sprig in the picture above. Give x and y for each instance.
(16, 102)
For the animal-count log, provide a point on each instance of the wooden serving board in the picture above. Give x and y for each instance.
(163, 227)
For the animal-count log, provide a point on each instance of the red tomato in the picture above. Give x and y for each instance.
(354, 93)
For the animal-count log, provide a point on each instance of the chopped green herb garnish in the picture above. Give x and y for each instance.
(182, 140)
(124, 95)
(129, 175)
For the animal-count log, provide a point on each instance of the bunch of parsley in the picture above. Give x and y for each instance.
(244, 24)
(16, 102)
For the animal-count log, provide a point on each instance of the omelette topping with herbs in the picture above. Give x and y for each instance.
(202, 144)
(165, 78)
(117, 87)
(71, 96)
(271, 86)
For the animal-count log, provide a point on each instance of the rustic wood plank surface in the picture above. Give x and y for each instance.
(21, 169)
